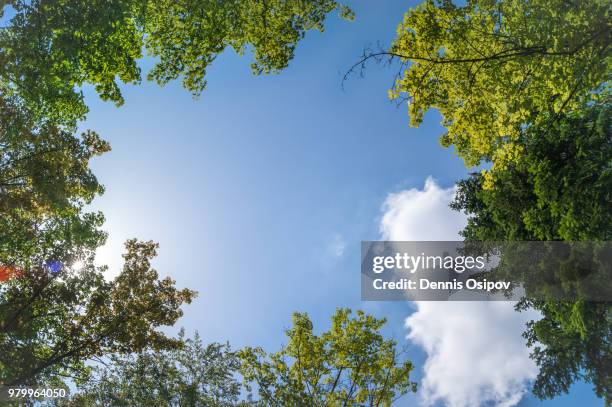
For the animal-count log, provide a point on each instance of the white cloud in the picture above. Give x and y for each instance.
(475, 352)
(424, 214)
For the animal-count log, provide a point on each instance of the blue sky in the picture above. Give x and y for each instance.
(260, 191)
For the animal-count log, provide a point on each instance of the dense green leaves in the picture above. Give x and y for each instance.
(59, 314)
(50, 49)
(193, 374)
(560, 188)
(571, 342)
(43, 168)
(188, 35)
(349, 365)
(492, 67)
(59, 310)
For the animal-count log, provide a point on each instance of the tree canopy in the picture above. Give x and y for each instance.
(56, 308)
(57, 315)
(50, 49)
(193, 374)
(349, 365)
(520, 84)
(524, 85)
(493, 67)
(560, 188)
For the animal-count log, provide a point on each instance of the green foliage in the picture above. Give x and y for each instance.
(187, 36)
(571, 342)
(190, 375)
(56, 316)
(49, 49)
(42, 167)
(492, 67)
(523, 84)
(560, 188)
(349, 365)
(45, 182)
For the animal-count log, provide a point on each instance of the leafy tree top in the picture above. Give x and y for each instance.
(349, 365)
(560, 188)
(49, 49)
(54, 317)
(493, 67)
(193, 374)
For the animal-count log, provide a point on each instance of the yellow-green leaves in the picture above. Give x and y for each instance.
(349, 365)
(559, 188)
(493, 67)
(187, 36)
